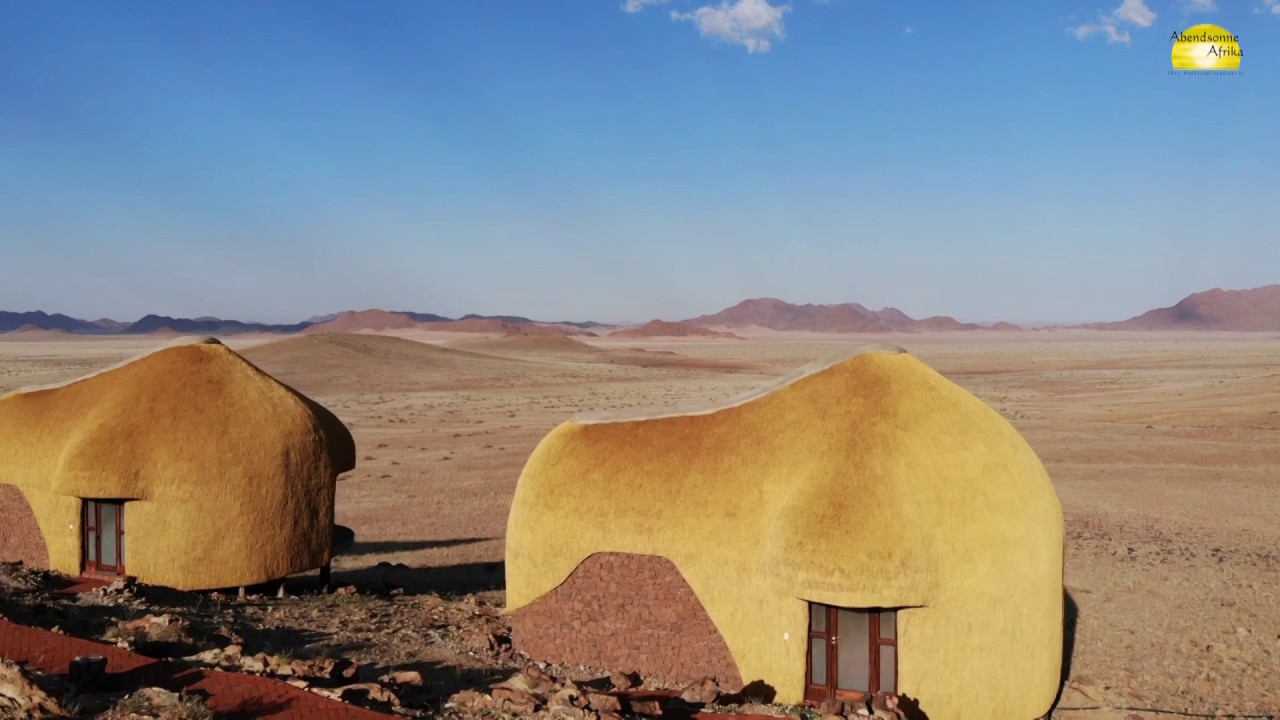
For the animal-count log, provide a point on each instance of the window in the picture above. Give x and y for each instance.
(103, 541)
(852, 653)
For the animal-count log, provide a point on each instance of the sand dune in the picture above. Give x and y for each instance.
(339, 363)
(35, 333)
(358, 320)
(640, 357)
(662, 328)
(553, 348)
(524, 345)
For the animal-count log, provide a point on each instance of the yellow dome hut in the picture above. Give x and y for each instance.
(188, 468)
(866, 526)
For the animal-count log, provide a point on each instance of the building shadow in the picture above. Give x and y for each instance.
(446, 580)
(395, 546)
(754, 692)
(910, 708)
(1070, 619)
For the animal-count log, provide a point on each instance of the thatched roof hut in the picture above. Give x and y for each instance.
(869, 492)
(225, 476)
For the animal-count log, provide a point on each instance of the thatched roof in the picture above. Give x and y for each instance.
(221, 461)
(872, 481)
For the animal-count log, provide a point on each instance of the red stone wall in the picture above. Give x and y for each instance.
(20, 536)
(626, 612)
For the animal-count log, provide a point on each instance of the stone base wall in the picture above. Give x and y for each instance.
(20, 538)
(625, 612)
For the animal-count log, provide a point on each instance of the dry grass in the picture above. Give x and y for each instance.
(1164, 449)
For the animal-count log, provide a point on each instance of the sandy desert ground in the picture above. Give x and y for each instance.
(1164, 447)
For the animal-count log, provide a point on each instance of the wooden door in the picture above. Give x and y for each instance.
(851, 653)
(103, 549)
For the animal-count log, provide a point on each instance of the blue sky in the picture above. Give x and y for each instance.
(629, 159)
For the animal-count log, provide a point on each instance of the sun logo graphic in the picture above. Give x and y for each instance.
(1206, 47)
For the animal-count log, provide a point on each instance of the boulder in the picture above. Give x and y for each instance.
(468, 700)
(702, 692)
(518, 702)
(411, 678)
(20, 697)
(368, 691)
(652, 708)
(622, 681)
(602, 703)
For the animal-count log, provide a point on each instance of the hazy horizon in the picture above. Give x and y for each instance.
(622, 161)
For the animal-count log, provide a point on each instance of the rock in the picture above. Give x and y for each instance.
(120, 586)
(565, 697)
(645, 707)
(603, 703)
(514, 701)
(621, 681)
(831, 706)
(702, 692)
(253, 664)
(20, 697)
(468, 700)
(883, 700)
(158, 698)
(411, 678)
(208, 657)
(571, 713)
(367, 691)
(324, 692)
(347, 590)
(298, 683)
(531, 679)
(609, 715)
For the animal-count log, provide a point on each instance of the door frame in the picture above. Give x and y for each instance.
(91, 531)
(830, 635)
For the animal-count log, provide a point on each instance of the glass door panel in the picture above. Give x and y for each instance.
(107, 535)
(853, 633)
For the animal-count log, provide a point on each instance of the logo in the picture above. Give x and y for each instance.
(1207, 48)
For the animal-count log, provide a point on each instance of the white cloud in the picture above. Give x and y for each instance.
(908, 30)
(1200, 5)
(1135, 12)
(1273, 6)
(635, 6)
(751, 23)
(1130, 12)
(1114, 34)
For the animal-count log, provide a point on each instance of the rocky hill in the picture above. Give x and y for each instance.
(1216, 309)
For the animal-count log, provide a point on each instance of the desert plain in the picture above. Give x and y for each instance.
(1164, 448)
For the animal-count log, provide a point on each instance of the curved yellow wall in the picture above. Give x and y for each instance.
(229, 475)
(873, 483)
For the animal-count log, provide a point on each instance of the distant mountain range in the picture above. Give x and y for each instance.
(775, 314)
(1240, 310)
(1216, 309)
(351, 321)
